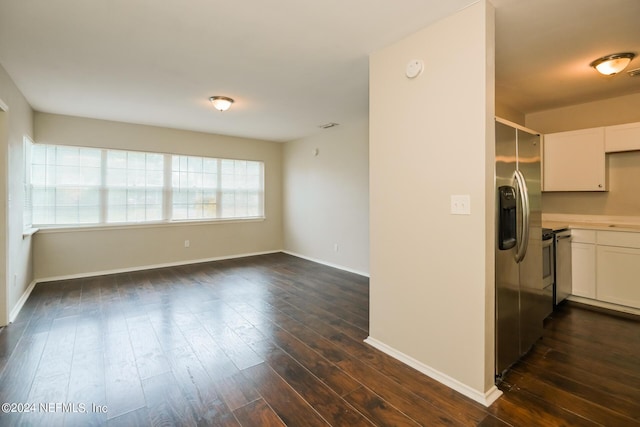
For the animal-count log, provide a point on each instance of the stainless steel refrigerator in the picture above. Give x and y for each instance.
(520, 303)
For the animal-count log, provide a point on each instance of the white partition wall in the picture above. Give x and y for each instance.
(432, 137)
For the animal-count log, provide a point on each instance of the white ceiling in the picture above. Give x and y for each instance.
(290, 65)
(544, 48)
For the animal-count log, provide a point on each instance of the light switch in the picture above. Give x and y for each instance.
(461, 204)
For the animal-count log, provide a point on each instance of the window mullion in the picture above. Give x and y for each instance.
(261, 191)
(219, 189)
(104, 189)
(167, 202)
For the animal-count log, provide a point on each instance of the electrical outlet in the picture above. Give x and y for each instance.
(461, 204)
(336, 248)
(187, 243)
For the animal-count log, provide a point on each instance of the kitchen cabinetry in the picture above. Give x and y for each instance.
(622, 138)
(575, 161)
(618, 268)
(583, 263)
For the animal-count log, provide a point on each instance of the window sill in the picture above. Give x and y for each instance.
(159, 224)
(28, 232)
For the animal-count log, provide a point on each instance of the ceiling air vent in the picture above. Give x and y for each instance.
(328, 125)
(634, 73)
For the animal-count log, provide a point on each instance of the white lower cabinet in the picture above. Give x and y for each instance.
(618, 275)
(583, 269)
(606, 266)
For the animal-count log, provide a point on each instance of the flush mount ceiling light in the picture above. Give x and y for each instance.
(612, 64)
(328, 125)
(221, 103)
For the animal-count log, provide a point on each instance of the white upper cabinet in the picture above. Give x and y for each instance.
(575, 161)
(622, 138)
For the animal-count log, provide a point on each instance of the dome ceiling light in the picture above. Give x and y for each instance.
(613, 64)
(221, 103)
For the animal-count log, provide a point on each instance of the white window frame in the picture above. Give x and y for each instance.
(27, 214)
(167, 193)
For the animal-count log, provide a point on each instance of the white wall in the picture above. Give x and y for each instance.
(76, 252)
(326, 197)
(432, 273)
(15, 252)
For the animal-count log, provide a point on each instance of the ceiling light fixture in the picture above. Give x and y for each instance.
(221, 103)
(328, 125)
(612, 64)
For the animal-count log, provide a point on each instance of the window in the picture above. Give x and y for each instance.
(216, 188)
(135, 182)
(92, 186)
(241, 188)
(195, 187)
(65, 185)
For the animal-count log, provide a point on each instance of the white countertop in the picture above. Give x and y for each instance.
(591, 222)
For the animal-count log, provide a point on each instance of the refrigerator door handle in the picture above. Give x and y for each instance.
(523, 237)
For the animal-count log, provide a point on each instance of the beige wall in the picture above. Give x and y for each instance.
(608, 112)
(64, 253)
(326, 196)
(432, 273)
(15, 252)
(623, 197)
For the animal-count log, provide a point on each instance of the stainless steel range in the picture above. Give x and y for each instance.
(548, 269)
(563, 277)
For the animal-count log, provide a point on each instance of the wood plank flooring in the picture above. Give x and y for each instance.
(276, 340)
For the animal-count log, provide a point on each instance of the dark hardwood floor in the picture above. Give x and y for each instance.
(276, 340)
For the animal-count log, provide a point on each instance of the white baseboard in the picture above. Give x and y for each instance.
(16, 309)
(151, 267)
(328, 264)
(486, 398)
